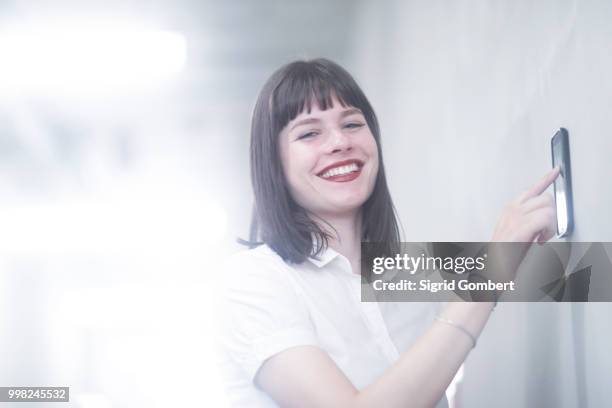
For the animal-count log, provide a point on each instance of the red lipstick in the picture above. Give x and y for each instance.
(355, 171)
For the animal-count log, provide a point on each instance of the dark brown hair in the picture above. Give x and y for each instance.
(277, 219)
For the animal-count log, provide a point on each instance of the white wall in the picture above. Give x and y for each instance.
(469, 94)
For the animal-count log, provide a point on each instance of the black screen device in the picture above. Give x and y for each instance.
(559, 145)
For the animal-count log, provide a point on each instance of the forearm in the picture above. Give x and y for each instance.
(423, 372)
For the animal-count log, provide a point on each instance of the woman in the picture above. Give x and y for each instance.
(293, 329)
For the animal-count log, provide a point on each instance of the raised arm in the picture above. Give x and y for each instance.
(307, 377)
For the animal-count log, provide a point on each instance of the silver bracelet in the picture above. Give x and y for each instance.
(458, 326)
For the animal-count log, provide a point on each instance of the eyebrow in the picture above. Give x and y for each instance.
(343, 114)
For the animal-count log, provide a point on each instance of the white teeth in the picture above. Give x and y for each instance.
(342, 170)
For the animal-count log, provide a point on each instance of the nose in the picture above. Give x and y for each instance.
(339, 141)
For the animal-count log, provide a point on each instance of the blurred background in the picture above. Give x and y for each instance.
(124, 179)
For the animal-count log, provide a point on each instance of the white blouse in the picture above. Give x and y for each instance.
(267, 306)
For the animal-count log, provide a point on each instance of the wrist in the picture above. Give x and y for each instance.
(459, 327)
(471, 315)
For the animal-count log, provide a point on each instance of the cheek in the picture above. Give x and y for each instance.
(376, 166)
(372, 151)
(298, 166)
(288, 161)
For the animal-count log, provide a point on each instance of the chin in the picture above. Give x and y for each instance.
(349, 205)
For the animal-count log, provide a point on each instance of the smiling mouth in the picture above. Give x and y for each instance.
(342, 171)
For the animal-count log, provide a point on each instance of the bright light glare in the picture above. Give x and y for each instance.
(172, 227)
(85, 59)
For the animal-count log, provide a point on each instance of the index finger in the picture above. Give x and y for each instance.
(541, 186)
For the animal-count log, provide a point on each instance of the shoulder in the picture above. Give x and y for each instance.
(256, 269)
(262, 255)
(261, 260)
(259, 294)
(260, 311)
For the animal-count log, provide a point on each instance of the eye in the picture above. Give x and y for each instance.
(306, 135)
(354, 125)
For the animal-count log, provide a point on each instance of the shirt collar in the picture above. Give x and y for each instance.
(328, 254)
(324, 258)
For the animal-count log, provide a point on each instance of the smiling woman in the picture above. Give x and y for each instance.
(331, 161)
(312, 118)
(292, 328)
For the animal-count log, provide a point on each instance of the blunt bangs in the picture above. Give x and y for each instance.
(312, 82)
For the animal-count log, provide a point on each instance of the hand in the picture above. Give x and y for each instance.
(530, 216)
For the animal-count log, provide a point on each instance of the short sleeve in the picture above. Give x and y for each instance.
(260, 311)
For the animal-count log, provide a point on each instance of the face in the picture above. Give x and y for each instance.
(330, 160)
